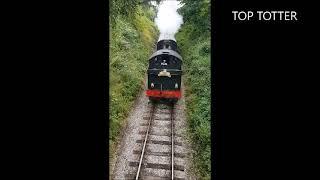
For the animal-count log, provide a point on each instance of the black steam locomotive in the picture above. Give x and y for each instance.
(164, 72)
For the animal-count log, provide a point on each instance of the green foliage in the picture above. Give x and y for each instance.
(122, 7)
(194, 41)
(127, 8)
(197, 13)
(131, 43)
(145, 26)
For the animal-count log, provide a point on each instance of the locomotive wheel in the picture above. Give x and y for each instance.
(174, 101)
(152, 99)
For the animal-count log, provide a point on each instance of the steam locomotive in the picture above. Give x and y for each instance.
(164, 72)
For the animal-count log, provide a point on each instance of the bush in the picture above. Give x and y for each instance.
(131, 43)
(196, 54)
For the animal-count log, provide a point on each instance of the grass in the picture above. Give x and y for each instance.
(131, 43)
(196, 54)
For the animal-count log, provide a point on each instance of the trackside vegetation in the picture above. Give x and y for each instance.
(193, 39)
(132, 37)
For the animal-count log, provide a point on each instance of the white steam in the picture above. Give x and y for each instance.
(168, 20)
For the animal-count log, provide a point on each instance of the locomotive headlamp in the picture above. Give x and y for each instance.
(152, 85)
(176, 86)
(164, 73)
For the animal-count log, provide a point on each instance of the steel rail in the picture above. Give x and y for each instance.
(145, 140)
(172, 142)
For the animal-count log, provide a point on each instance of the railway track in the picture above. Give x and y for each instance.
(158, 155)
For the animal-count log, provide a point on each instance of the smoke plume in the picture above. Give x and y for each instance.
(168, 20)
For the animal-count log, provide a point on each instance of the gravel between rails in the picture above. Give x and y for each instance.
(128, 148)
